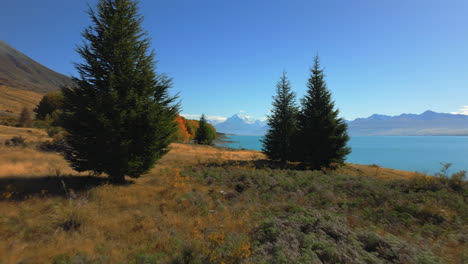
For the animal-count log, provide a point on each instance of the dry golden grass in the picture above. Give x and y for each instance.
(157, 213)
(160, 212)
(13, 100)
(189, 154)
(31, 135)
(376, 171)
(116, 221)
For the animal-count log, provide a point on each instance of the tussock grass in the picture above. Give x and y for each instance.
(212, 205)
(55, 214)
(31, 135)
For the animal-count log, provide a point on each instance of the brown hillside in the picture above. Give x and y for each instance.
(13, 100)
(19, 71)
(23, 81)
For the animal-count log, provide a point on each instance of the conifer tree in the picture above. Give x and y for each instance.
(277, 143)
(204, 135)
(120, 117)
(322, 135)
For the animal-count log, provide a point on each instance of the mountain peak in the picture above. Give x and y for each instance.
(429, 112)
(243, 117)
(241, 124)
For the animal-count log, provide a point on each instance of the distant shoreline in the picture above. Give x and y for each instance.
(222, 138)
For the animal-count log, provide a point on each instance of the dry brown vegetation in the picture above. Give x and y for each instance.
(12, 100)
(49, 213)
(31, 135)
(43, 206)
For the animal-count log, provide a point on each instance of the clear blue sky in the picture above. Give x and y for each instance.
(386, 56)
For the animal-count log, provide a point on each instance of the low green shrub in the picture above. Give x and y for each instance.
(318, 217)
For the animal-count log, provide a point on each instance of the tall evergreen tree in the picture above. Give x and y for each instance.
(204, 134)
(277, 143)
(322, 134)
(120, 117)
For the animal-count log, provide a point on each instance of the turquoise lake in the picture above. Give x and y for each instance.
(421, 154)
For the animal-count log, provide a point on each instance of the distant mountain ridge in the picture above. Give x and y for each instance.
(24, 81)
(429, 123)
(20, 71)
(240, 124)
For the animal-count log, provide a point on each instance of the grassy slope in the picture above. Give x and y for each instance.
(13, 100)
(212, 205)
(19, 71)
(24, 81)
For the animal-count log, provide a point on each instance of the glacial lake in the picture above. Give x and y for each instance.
(412, 153)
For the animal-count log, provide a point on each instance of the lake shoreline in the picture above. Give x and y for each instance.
(422, 154)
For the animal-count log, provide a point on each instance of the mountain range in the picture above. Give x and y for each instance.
(428, 123)
(24, 81)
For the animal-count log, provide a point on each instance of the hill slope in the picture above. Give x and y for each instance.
(23, 81)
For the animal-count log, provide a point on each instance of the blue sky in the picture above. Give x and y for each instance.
(387, 56)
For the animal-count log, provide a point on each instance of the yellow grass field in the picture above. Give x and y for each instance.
(13, 100)
(117, 220)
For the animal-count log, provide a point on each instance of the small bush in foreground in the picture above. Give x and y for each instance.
(16, 141)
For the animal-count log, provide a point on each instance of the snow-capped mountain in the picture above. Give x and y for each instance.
(240, 124)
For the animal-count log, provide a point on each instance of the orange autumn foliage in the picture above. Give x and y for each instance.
(186, 129)
(182, 133)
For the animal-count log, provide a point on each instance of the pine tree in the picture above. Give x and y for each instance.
(25, 119)
(322, 134)
(120, 117)
(204, 135)
(277, 143)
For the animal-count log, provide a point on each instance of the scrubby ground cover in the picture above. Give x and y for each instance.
(209, 205)
(331, 217)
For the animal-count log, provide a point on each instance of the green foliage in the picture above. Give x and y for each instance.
(313, 135)
(49, 104)
(205, 133)
(322, 134)
(192, 126)
(120, 117)
(278, 141)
